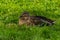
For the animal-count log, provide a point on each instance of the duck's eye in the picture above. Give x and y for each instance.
(20, 16)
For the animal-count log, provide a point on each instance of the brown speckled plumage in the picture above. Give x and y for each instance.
(25, 18)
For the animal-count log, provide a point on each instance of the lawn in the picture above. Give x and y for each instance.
(10, 10)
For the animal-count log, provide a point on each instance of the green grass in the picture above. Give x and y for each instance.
(10, 10)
